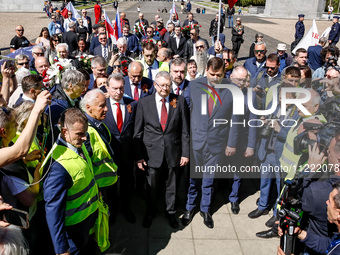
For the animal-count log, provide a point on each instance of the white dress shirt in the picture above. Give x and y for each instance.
(85, 23)
(159, 104)
(175, 87)
(114, 108)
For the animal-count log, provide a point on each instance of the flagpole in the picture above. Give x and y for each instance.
(219, 21)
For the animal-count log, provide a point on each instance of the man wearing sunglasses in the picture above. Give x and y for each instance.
(19, 41)
(190, 48)
(37, 51)
(253, 65)
(22, 60)
(87, 22)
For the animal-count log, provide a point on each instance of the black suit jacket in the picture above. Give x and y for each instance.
(121, 143)
(172, 143)
(146, 87)
(186, 22)
(173, 46)
(71, 39)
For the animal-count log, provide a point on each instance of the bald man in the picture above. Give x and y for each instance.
(137, 86)
(19, 41)
(41, 64)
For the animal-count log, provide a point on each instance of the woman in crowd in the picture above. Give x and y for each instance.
(81, 48)
(44, 37)
(81, 30)
(192, 73)
(51, 51)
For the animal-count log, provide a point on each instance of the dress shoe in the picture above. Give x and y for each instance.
(147, 221)
(235, 207)
(187, 217)
(257, 213)
(172, 220)
(129, 215)
(207, 219)
(271, 222)
(267, 234)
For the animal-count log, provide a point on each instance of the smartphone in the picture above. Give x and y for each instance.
(16, 217)
(10, 64)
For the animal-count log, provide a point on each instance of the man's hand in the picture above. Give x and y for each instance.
(332, 85)
(249, 152)
(184, 161)
(141, 163)
(218, 47)
(7, 72)
(43, 99)
(276, 126)
(34, 155)
(65, 253)
(229, 151)
(3, 207)
(316, 158)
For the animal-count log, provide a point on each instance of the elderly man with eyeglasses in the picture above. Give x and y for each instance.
(68, 21)
(253, 65)
(86, 20)
(190, 47)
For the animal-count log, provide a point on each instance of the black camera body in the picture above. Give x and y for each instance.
(266, 131)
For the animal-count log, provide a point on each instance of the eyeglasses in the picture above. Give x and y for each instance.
(56, 40)
(117, 66)
(227, 59)
(259, 51)
(23, 63)
(149, 31)
(200, 46)
(192, 34)
(38, 53)
(269, 67)
(163, 86)
(20, 30)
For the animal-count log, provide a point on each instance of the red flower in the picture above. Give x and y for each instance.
(60, 67)
(81, 56)
(44, 73)
(129, 108)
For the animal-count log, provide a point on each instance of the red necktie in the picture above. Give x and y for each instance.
(135, 93)
(210, 105)
(119, 118)
(164, 114)
(178, 90)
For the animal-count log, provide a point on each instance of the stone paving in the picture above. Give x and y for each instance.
(232, 234)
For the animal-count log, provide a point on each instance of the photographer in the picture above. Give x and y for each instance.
(316, 236)
(329, 55)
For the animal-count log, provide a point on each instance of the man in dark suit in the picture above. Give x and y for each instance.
(177, 43)
(180, 85)
(132, 41)
(162, 143)
(190, 20)
(209, 143)
(103, 49)
(194, 37)
(120, 119)
(137, 86)
(32, 86)
(141, 19)
(334, 34)
(98, 66)
(71, 37)
(86, 20)
(314, 54)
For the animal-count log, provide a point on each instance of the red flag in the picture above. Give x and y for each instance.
(64, 12)
(231, 3)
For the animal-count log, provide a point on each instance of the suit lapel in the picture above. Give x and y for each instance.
(154, 112)
(218, 104)
(127, 114)
(171, 109)
(128, 88)
(111, 121)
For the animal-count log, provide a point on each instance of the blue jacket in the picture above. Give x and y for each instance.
(145, 81)
(251, 66)
(299, 30)
(334, 33)
(314, 57)
(132, 43)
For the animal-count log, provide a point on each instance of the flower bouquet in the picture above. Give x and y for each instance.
(85, 61)
(140, 29)
(186, 29)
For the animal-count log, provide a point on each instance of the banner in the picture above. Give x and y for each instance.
(231, 3)
(310, 39)
(70, 7)
(117, 33)
(173, 10)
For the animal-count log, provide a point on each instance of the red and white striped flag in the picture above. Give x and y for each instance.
(173, 10)
(117, 33)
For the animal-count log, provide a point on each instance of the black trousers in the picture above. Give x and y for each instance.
(237, 46)
(156, 178)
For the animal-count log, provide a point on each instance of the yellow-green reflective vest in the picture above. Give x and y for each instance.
(163, 66)
(289, 161)
(82, 197)
(34, 146)
(104, 169)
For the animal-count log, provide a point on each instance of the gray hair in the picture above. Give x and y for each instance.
(62, 45)
(163, 74)
(323, 40)
(71, 76)
(22, 73)
(89, 98)
(167, 53)
(72, 24)
(200, 40)
(178, 62)
(116, 77)
(13, 241)
(121, 41)
(21, 57)
(38, 47)
(22, 113)
(98, 61)
(261, 43)
(315, 97)
(239, 69)
(133, 63)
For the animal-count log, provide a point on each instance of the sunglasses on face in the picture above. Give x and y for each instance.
(269, 67)
(117, 66)
(23, 63)
(192, 34)
(20, 30)
(38, 53)
(199, 46)
(259, 51)
(227, 59)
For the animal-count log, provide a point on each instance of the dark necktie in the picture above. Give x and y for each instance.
(81, 153)
(178, 90)
(164, 114)
(135, 93)
(119, 118)
(210, 105)
(150, 73)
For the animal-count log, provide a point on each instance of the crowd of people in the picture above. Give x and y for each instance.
(85, 122)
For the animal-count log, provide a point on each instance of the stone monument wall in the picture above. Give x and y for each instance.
(291, 8)
(21, 5)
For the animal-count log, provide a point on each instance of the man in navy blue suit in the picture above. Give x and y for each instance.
(132, 41)
(180, 85)
(209, 143)
(120, 119)
(136, 86)
(314, 54)
(253, 65)
(98, 66)
(334, 34)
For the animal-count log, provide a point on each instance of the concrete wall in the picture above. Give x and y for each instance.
(21, 5)
(291, 8)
